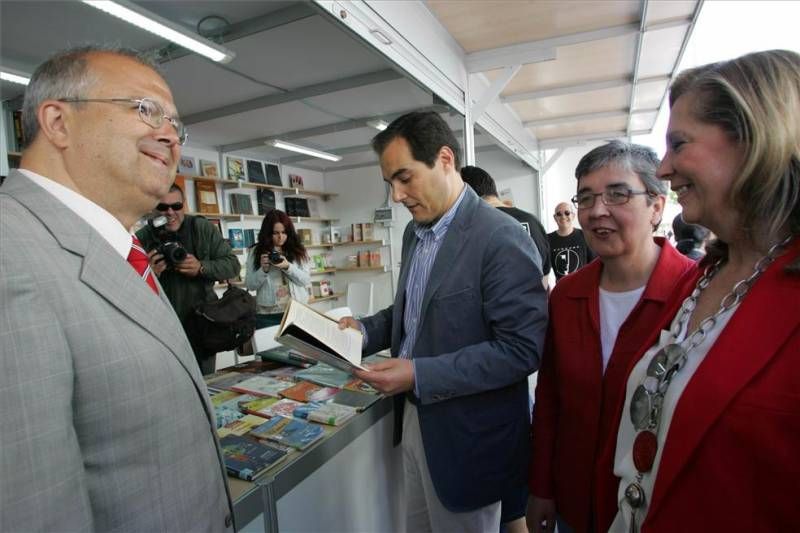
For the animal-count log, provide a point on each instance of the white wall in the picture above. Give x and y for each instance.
(559, 181)
(513, 174)
(360, 191)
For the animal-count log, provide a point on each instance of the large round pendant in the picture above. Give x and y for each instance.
(641, 408)
(645, 447)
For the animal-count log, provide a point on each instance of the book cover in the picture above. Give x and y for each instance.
(266, 201)
(206, 197)
(225, 416)
(255, 172)
(240, 426)
(301, 207)
(273, 175)
(289, 431)
(240, 203)
(368, 231)
(332, 414)
(262, 386)
(357, 233)
(284, 407)
(304, 409)
(357, 400)
(360, 386)
(363, 258)
(187, 165)
(305, 236)
(247, 459)
(323, 374)
(317, 336)
(235, 168)
(226, 380)
(296, 181)
(236, 237)
(375, 258)
(249, 237)
(306, 391)
(257, 406)
(336, 234)
(289, 206)
(209, 168)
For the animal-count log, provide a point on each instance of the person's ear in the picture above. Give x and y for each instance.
(447, 157)
(55, 121)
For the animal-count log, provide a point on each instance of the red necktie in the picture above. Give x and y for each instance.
(138, 260)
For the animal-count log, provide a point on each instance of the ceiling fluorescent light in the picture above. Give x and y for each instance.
(304, 150)
(151, 22)
(13, 76)
(378, 124)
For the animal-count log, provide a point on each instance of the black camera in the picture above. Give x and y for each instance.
(170, 243)
(275, 257)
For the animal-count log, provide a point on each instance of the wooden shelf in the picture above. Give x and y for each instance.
(317, 246)
(193, 177)
(381, 268)
(334, 296)
(358, 243)
(216, 216)
(289, 191)
(297, 220)
(326, 271)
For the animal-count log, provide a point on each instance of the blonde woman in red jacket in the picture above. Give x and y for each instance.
(599, 317)
(709, 430)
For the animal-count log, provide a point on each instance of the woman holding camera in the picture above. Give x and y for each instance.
(710, 423)
(276, 268)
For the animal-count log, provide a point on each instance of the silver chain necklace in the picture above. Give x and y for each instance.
(648, 398)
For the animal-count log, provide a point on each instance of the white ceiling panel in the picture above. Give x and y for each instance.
(660, 49)
(666, 10)
(587, 127)
(648, 95)
(573, 104)
(643, 121)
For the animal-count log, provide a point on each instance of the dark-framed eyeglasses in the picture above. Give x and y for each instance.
(611, 196)
(563, 213)
(177, 206)
(150, 112)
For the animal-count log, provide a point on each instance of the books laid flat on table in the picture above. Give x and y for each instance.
(262, 386)
(241, 426)
(309, 392)
(317, 336)
(360, 386)
(258, 406)
(284, 407)
(247, 459)
(332, 414)
(323, 374)
(357, 400)
(289, 431)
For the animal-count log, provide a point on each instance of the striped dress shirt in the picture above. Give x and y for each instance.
(430, 239)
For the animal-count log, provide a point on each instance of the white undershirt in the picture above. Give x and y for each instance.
(614, 310)
(623, 458)
(98, 218)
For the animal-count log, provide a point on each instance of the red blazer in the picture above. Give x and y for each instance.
(570, 415)
(731, 461)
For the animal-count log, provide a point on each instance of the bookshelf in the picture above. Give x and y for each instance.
(317, 299)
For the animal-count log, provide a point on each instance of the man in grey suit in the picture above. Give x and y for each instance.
(465, 330)
(105, 424)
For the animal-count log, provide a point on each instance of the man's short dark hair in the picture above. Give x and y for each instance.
(425, 132)
(480, 181)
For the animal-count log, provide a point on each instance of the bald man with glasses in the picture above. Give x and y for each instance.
(568, 249)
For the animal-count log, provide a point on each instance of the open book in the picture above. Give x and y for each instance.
(317, 336)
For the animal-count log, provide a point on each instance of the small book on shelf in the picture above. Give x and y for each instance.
(255, 172)
(266, 201)
(363, 259)
(206, 196)
(317, 336)
(357, 233)
(305, 236)
(240, 203)
(368, 231)
(247, 459)
(273, 175)
(236, 237)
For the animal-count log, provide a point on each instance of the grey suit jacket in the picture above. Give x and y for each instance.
(481, 332)
(105, 424)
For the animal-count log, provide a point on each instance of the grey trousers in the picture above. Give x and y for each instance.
(424, 511)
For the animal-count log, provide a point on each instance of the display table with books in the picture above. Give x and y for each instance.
(289, 433)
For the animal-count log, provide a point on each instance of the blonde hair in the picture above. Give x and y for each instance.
(755, 99)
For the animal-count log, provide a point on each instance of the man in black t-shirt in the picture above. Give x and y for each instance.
(484, 186)
(568, 249)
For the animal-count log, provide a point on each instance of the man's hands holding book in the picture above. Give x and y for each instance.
(392, 376)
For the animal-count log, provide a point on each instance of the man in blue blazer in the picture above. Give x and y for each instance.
(465, 330)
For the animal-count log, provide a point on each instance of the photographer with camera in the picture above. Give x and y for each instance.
(188, 254)
(277, 268)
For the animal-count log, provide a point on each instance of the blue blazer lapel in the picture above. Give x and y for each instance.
(454, 241)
